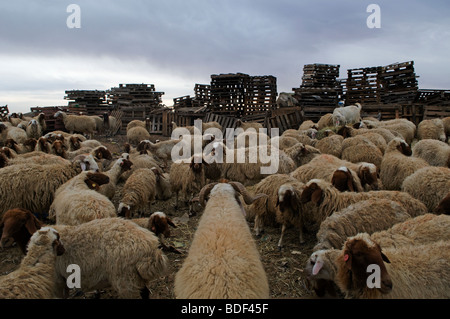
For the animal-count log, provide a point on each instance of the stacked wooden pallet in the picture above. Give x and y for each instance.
(93, 100)
(320, 90)
(133, 94)
(240, 94)
(399, 83)
(362, 86)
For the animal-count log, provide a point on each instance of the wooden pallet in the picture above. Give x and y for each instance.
(436, 111)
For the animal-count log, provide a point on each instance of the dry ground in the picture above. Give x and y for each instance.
(284, 268)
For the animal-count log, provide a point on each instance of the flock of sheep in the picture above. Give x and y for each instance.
(372, 192)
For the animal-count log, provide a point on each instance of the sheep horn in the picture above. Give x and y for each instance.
(249, 199)
(204, 193)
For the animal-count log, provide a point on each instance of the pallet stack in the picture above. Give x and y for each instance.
(362, 86)
(398, 83)
(93, 100)
(320, 90)
(240, 94)
(132, 94)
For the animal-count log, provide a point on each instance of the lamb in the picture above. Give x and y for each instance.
(78, 123)
(32, 186)
(380, 137)
(435, 152)
(368, 216)
(265, 212)
(405, 128)
(120, 166)
(429, 185)
(163, 150)
(138, 192)
(419, 271)
(34, 129)
(327, 199)
(347, 114)
(398, 165)
(78, 201)
(431, 129)
(35, 276)
(111, 252)
(223, 260)
(307, 125)
(143, 160)
(188, 177)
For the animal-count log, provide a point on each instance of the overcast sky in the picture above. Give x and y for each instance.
(175, 44)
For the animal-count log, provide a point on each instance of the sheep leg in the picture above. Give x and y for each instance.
(280, 242)
(258, 226)
(302, 239)
(145, 293)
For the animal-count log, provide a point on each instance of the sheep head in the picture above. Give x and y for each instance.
(343, 180)
(320, 273)
(95, 180)
(197, 162)
(287, 199)
(12, 144)
(7, 152)
(18, 225)
(345, 131)
(59, 148)
(312, 193)
(368, 174)
(404, 148)
(102, 152)
(48, 235)
(75, 142)
(125, 164)
(44, 144)
(86, 162)
(124, 211)
(3, 127)
(238, 188)
(357, 254)
(159, 223)
(30, 144)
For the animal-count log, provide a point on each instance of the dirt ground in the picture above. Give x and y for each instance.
(284, 268)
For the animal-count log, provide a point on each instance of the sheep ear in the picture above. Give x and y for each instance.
(31, 226)
(316, 196)
(350, 182)
(348, 259)
(170, 222)
(385, 259)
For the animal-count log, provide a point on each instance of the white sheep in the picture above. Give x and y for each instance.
(78, 201)
(111, 252)
(418, 271)
(35, 277)
(326, 200)
(397, 164)
(347, 114)
(223, 260)
(138, 193)
(78, 123)
(120, 166)
(429, 185)
(32, 186)
(431, 129)
(368, 216)
(435, 152)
